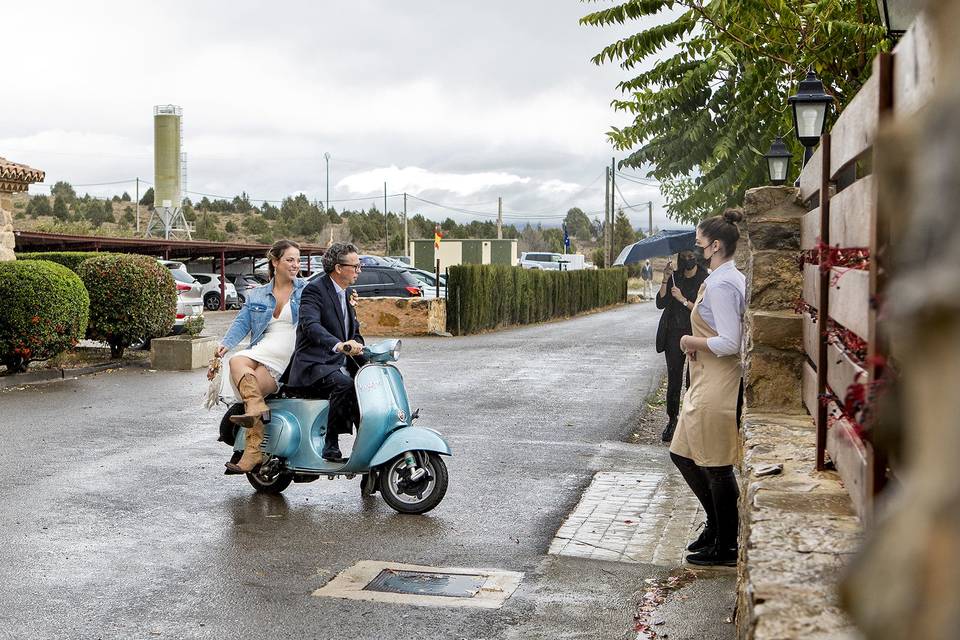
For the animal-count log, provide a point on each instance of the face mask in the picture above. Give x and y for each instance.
(701, 256)
(687, 263)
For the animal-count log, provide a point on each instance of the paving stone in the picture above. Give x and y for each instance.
(639, 517)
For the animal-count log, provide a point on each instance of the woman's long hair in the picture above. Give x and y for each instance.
(276, 252)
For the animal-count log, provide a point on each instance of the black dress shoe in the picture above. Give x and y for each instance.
(708, 538)
(714, 556)
(667, 434)
(332, 455)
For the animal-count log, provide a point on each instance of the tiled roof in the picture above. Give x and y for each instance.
(13, 172)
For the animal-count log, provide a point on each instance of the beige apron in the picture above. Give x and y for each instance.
(707, 428)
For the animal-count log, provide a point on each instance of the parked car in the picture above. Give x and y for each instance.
(174, 264)
(551, 261)
(428, 280)
(404, 259)
(378, 280)
(189, 298)
(211, 291)
(244, 282)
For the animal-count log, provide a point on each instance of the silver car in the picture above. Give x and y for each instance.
(189, 298)
(211, 291)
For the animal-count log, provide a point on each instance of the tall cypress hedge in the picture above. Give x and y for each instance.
(488, 296)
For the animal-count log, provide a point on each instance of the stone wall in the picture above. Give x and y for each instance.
(6, 227)
(797, 526)
(394, 317)
(773, 332)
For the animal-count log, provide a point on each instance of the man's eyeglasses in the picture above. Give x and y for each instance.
(357, 267)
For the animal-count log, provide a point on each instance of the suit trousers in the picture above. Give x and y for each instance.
(338, 388)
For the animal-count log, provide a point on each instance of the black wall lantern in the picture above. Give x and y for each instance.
(898, 15)
(810, 105)
(778, 161)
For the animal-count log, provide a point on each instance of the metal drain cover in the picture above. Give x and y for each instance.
(422, 586)
(427, 583)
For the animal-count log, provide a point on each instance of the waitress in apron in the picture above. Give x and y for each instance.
(705, 445)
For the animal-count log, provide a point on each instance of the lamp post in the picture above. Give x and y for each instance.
(810, 105)
(897, 15)
(326, 156)
(778, 161)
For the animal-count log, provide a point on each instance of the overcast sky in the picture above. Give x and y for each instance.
(456, 102)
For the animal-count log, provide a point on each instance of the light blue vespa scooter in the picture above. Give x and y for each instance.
(401, 461)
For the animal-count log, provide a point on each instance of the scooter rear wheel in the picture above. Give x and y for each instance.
(273, 483)
(414, 498)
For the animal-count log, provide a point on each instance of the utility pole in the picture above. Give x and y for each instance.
(650, 213)
(613, 201)
(606, 218)
(386, 227)
(326, 156)
(138, 205)
(499, 218)
(406, 239)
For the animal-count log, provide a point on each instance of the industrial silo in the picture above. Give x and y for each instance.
(167, 219)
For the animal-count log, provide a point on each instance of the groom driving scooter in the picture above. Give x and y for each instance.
(328, 332)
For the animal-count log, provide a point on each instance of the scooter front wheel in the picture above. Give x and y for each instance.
(414, 497)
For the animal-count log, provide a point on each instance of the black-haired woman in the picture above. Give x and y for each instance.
(269, 316)
(705, 445)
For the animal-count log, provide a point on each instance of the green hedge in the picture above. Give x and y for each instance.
(488, 296)
(70, 259)
(45, 311)
(132, 297)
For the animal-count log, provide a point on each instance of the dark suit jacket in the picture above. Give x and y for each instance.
(675, 320)
(320, 328)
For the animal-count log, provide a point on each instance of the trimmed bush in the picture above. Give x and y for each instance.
(132, 298)
(45, 310)
(488, 296)
(70, 259)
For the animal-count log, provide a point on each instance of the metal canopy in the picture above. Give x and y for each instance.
(170, 249)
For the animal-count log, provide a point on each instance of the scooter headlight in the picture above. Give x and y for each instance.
(395, 353)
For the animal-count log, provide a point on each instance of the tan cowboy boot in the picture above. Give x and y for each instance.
(253, 402)
(252, 456)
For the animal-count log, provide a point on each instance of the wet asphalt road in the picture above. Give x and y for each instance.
(118, 522)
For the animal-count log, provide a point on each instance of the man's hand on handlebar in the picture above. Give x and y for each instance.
(351, 348)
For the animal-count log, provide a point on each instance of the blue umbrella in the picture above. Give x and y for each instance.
(662, 243)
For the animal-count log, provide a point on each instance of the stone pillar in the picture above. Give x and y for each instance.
(6, 226)
(906, 583)
(773, 331)
(13, 178)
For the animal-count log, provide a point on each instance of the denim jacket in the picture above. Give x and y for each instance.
(256, 312)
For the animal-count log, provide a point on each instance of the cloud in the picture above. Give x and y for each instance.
(418, 180)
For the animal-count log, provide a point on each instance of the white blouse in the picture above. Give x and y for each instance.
(722, 307)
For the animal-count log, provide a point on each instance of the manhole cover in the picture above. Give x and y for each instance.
(450, 585)
(423, 586)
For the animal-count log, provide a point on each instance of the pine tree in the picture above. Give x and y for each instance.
(60, 211)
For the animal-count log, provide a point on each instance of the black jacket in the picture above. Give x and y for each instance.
(320, 328)
(675, 320)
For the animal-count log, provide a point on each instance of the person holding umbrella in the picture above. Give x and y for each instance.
(676, 296)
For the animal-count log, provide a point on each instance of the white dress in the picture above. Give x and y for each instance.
(274, 349)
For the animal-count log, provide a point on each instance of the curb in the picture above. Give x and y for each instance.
(54, 375)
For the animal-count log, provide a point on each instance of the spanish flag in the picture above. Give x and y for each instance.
(437, 237)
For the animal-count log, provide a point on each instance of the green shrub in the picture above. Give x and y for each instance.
(70, 259)
(45, 310)
(132, 297)
(487, 296)
(193, 326)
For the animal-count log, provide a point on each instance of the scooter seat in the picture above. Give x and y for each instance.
(305, 393)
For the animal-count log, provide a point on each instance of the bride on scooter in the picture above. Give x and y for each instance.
(269, 316)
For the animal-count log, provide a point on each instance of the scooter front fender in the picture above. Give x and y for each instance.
(410, 439)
